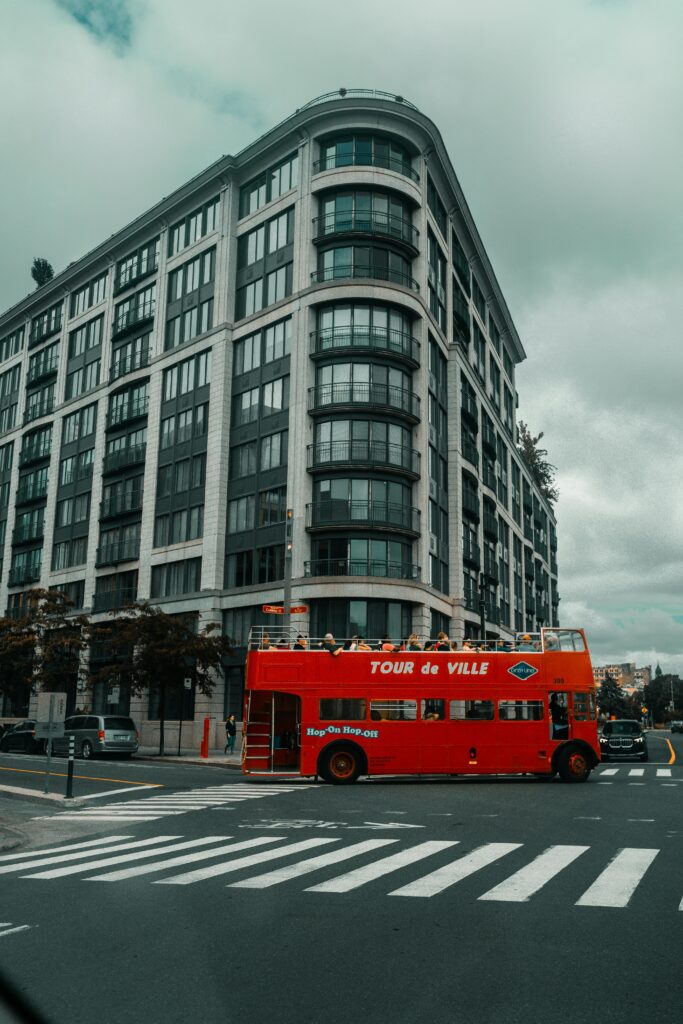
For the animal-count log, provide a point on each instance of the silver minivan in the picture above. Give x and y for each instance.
(98, 734)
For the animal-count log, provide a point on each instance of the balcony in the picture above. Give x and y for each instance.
(125, 321)
(42, 369)
(107, 600)
(470, 451)
(121, 551)
(349, 515)
(133, 455)
(489, 476)
(134, 361)
(367, 273)
(22, 574)
(37, 409)
(131, 275)
(35, 452)
(121, 504)
(335, 160)
(131, 410)
(27, 493)
(553, 564)
(468, 406)
(471, 552)
(368, 454)
(361, 340)
(382, 397)
(29, 532)
(470, 503)
(362, 567)
(541, 611)
(44, 329)
(367, 222)
(491, 568)
(528, 563)
(542, 549)
(492, 612)
(491, 524)
(488, 438)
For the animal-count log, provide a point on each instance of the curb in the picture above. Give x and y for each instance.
(164, 759)
(33, 794)
(11, 837)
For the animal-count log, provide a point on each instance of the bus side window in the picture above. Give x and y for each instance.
(393, 710)
(520, 710)
(432, 710)
(467, 710)
(582, 707)
(340, 709)
(570, 640)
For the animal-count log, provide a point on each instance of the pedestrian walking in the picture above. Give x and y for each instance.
(230, 734)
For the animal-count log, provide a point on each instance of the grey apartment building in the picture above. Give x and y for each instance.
(314, 325)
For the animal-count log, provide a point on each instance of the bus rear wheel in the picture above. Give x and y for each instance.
(340, 766)
(573, 765)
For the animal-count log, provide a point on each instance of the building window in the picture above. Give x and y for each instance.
(86, 337)
(268, 186)
(187, 376)
(271, 563)
(11, 344)
(266, 239)
(239, 569)
(88, 295)
(241, 514)
(176, 578)
(143, 261)
(365, 150)
(243, 460)
(84, 379)
(73, 510)
(437, 208)
(436, 287)
(272, 506)
(263, 292)
(193, 227)
(245, 407)
(70, 553)
(46, 323)
(274, 450)
(10, 379)
(460, 262)
(79, 424)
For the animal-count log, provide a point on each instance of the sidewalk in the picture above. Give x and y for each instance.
(215, 759)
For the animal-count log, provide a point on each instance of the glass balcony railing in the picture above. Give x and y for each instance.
(490, 524)
(368, 222)
(133, 455)
(42, 329)
(468, 404)
(130, 410)
(345, 159)
(44, 368)
(349, 514)
(35, 410)
(129, 275)
(31, 531)
(124, 365)
(109, 599)
(470, 452)
(397, 399)
(121, 551)
(364, 338)
(470, 503)
(22, 574)
(132, 317)
(31, 492)
(119, 504)
(471, 552)
(362, 567)
(367, 272)
(339, 454)
(35, 452)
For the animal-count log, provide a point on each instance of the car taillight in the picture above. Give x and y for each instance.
(100, 734)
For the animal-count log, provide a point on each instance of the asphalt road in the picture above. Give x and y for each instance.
(454, 901)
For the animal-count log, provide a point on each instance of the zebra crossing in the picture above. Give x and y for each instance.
(152, 808)
(638, 773)
(177, 861)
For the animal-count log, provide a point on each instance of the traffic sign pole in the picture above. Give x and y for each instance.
(70, 770)
(49, 746)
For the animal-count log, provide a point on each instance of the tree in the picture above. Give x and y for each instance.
(41, 271)
(611, 698)
(658, 694)
(535, 458)
(157, 652)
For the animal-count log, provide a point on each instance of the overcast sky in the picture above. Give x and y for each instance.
(563, 122)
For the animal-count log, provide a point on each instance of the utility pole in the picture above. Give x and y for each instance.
(288, 571)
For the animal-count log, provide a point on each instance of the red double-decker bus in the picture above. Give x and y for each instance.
(526, 707)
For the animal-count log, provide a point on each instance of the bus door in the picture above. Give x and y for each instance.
(435, 736)
(473, 736)
(558, 715)
(272, 732)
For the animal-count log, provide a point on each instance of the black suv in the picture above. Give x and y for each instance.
(623, 739)
(677, 726)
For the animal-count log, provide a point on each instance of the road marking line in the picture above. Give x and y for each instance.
(73, 869)
(27, 854)
(88, 778)
(39, 862)
(615, 886)
(172, 862)
(368, 873)
(518, 888)
(303, 867)
(586, 817)
(637, 772)
(442, 878)
(663, 773)
(106, 817)
(640, 819)
(672, 759)
(242, 862)
(17, 928)
(609, 771)
(112, 792)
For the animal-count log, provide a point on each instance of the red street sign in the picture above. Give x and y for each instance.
(277, 609)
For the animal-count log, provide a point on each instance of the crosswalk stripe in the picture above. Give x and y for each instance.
(609, 771)
(663, 773)
(190, 858)
(39, 862)
(27, 854)
(637, 772)
(442, 878)
(17, 928)
(518, 888)
(303, 867)
(242, 862)
(109, 817)
(369, 872)
(615, 886)
(73, 869)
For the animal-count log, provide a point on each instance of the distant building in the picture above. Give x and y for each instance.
(626, 675)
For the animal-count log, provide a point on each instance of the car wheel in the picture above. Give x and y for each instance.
(572, 765)
(86, 750)
(341, 766)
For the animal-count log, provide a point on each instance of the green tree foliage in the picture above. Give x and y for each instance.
(154, 651)
(536, 461)
(657, 696)
(612, 700)
(41, 272)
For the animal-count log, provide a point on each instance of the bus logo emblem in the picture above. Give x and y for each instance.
(522, 670)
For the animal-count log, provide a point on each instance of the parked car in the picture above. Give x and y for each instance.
(677, 726)
(623, 739)
(22, 738)
(98, 734)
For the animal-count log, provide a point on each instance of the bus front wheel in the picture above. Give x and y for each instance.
(340, 766)
(573, 765)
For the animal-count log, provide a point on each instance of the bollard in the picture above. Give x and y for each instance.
(204, 749)
(70, 771)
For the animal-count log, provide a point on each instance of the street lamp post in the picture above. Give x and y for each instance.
(482, 604)
(286, 615)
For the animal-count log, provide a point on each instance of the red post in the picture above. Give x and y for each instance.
(204, 749)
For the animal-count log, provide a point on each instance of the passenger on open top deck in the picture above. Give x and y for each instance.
(413, 643)
(301, 643)
(525, 644)
(329, 644)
